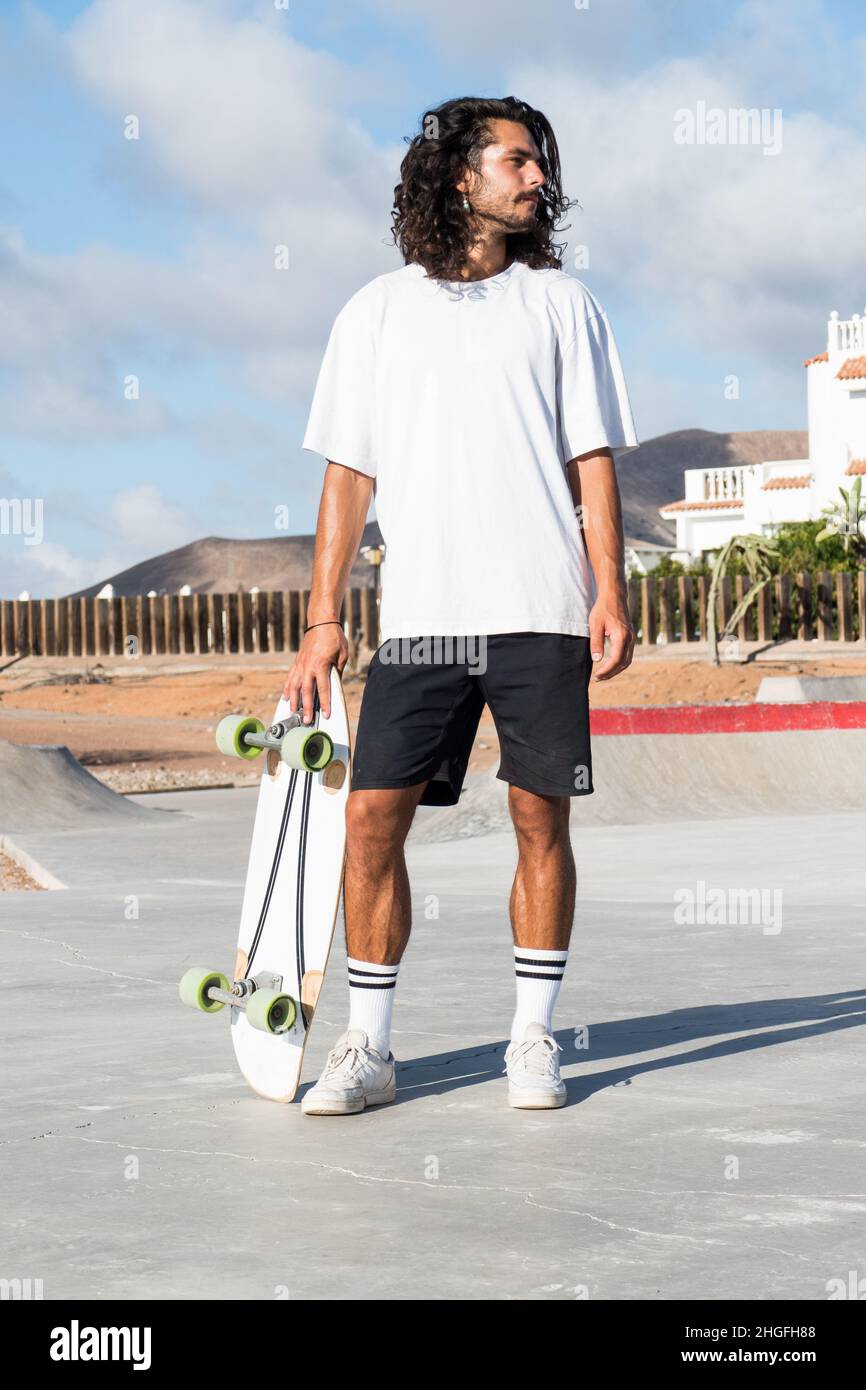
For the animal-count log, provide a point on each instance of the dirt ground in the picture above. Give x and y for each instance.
(150, 725)
(14, 878)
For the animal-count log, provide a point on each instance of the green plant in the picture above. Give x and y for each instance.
(756, 554)
(845, 522)
(799, 551)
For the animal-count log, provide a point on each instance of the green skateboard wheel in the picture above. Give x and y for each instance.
(307, 749)
(271, 1012)
(230, 735)
(194, 985)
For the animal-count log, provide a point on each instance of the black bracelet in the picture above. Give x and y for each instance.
(326, 623)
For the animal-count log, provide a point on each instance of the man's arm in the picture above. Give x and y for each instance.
(343, 508)
(594, 488)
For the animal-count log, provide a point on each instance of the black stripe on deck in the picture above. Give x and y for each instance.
(275, 865)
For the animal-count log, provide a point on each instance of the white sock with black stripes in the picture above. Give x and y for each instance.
(539, 975)
(371, 1001)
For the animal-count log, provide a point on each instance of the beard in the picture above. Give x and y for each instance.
(512, 217)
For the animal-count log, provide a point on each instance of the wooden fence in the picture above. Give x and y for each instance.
(819, 607)
(147, 625)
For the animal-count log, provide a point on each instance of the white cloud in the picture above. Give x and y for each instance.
(133, 523)
(739, 252)
(801, 47)
(143, 518)
(237, 113)
(726, 252)
(46, 570)
(604, 36)
(251, 127)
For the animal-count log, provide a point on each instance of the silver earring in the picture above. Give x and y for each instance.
(465, 204)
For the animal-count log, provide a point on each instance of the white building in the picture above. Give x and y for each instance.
(754, 499)
(642, 556)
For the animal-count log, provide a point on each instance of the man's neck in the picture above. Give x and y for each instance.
(489, 258)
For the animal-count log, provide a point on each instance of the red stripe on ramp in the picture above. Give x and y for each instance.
(727, 719)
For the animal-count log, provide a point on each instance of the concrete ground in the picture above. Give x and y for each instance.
(713, 1143)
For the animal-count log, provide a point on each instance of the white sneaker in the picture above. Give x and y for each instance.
(355, 1076)
(532, 1067)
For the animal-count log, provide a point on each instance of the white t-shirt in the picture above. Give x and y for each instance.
(465, 401)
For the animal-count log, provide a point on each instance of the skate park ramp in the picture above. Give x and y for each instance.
(641, 778)
(44, 787)
(802, 689)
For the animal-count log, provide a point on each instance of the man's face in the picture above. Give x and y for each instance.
(511, 178)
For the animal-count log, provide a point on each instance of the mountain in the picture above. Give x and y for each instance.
(218, 565)
(652, 475)
(649, 477)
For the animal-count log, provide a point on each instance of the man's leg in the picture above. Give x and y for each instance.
(545, 884)
(377, 903)
(541, 905)
(360, 1070)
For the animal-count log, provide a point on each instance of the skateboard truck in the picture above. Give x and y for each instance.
(295, 743)
(260, 996)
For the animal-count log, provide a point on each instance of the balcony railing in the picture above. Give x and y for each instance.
(846, 335)
(722, 484)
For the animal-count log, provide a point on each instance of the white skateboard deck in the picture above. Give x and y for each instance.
(292, 897)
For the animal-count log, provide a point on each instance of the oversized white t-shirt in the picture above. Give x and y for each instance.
(465, 401)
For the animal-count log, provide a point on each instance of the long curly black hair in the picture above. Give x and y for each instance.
(429, 223)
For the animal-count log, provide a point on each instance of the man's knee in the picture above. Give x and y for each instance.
(377, 818)
(538, 818)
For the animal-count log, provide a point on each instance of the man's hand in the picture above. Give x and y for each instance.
(610, 618)
(321, 648)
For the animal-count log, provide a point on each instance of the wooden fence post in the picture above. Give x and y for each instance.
(232, 622)
(216, 622)
(687, 611)
(116, 624)
(746, 625)
(648, 613)
(369, 620)
(276, 619)
(824, 596)
(703, 600)
(845, 632)
(88, 626)
(7, 628)
(765, 613)
(666, 608)
(293, 620)
(783, 605)
(804, 599)
(247, 630)
(260, 620)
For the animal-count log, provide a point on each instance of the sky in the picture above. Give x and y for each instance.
(157, 368)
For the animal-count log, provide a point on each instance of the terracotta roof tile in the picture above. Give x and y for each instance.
(799, 480)
(851, 369)
(686, 506)
(821, 357)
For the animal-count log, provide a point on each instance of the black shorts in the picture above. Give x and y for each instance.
(419, 717)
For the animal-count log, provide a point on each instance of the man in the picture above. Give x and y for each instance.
(478, 393)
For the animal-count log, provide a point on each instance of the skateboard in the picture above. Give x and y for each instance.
(292, 893)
